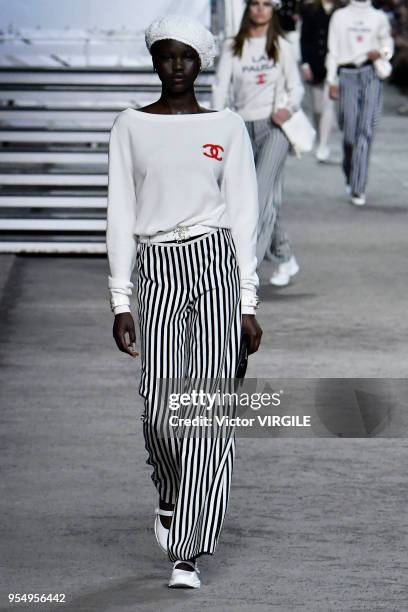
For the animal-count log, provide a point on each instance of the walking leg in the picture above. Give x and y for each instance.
(280, 250)
(327, 118)
(272, 153)
(349, 93)
(370, 108)
(206, 462)
(277, 247)
(162, 310)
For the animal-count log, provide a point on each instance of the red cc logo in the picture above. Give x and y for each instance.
(214, 151)
(260, 78)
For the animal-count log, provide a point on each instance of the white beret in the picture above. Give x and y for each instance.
(186, 30)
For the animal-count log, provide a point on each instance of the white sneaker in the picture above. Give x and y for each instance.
(281, 277)
(358, 199)
(160, 531)
(183, 578)
(322, 153)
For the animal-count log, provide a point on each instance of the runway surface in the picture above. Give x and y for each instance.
(313, 524)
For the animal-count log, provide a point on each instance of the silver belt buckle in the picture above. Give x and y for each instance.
(181, 233)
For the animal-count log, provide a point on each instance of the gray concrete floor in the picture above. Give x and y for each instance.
(313, 524)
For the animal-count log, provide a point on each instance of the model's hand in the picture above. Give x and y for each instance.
(373, 55)
(333, 92)
(307, 72)
(124, 324)
(252, 329)
(280, 116)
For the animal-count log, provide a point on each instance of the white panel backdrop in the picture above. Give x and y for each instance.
(84, 32)
(101, 14)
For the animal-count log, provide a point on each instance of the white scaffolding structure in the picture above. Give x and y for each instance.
(60, 91)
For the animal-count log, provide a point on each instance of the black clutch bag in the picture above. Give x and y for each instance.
(242, 358)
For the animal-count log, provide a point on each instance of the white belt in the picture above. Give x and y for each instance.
(180, 233)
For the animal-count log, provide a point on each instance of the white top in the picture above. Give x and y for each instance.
(255, 85)
(353, 32)
(188, 169)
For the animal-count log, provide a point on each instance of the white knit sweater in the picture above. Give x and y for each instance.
(353, 32)
(254, 85)
(195, 170)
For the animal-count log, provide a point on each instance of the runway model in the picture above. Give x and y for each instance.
(316, 17)
(258, 75)
(359, 36)
(183, 206)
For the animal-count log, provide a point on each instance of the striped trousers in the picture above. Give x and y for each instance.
(271, 148)
(360, 104)
(189, 309)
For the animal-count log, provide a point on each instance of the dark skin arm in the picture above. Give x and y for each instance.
(251, 329)
(123, 325)
(124, 333)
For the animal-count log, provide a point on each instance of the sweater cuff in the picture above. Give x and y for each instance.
(248, 310)
(119, 300)
(332, 78)
(249, 301)
(119, 309)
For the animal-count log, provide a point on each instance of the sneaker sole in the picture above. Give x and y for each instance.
(279, 283)
(183, 582)
(181, 585)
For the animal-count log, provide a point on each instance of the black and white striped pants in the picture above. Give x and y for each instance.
(360, 103)
(271, 148)
(189, 309)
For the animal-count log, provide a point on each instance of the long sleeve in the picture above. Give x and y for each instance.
(386, 41)
(222, 79)
(121, 216)
(290, 89)
(332, 60)
(241, 193)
